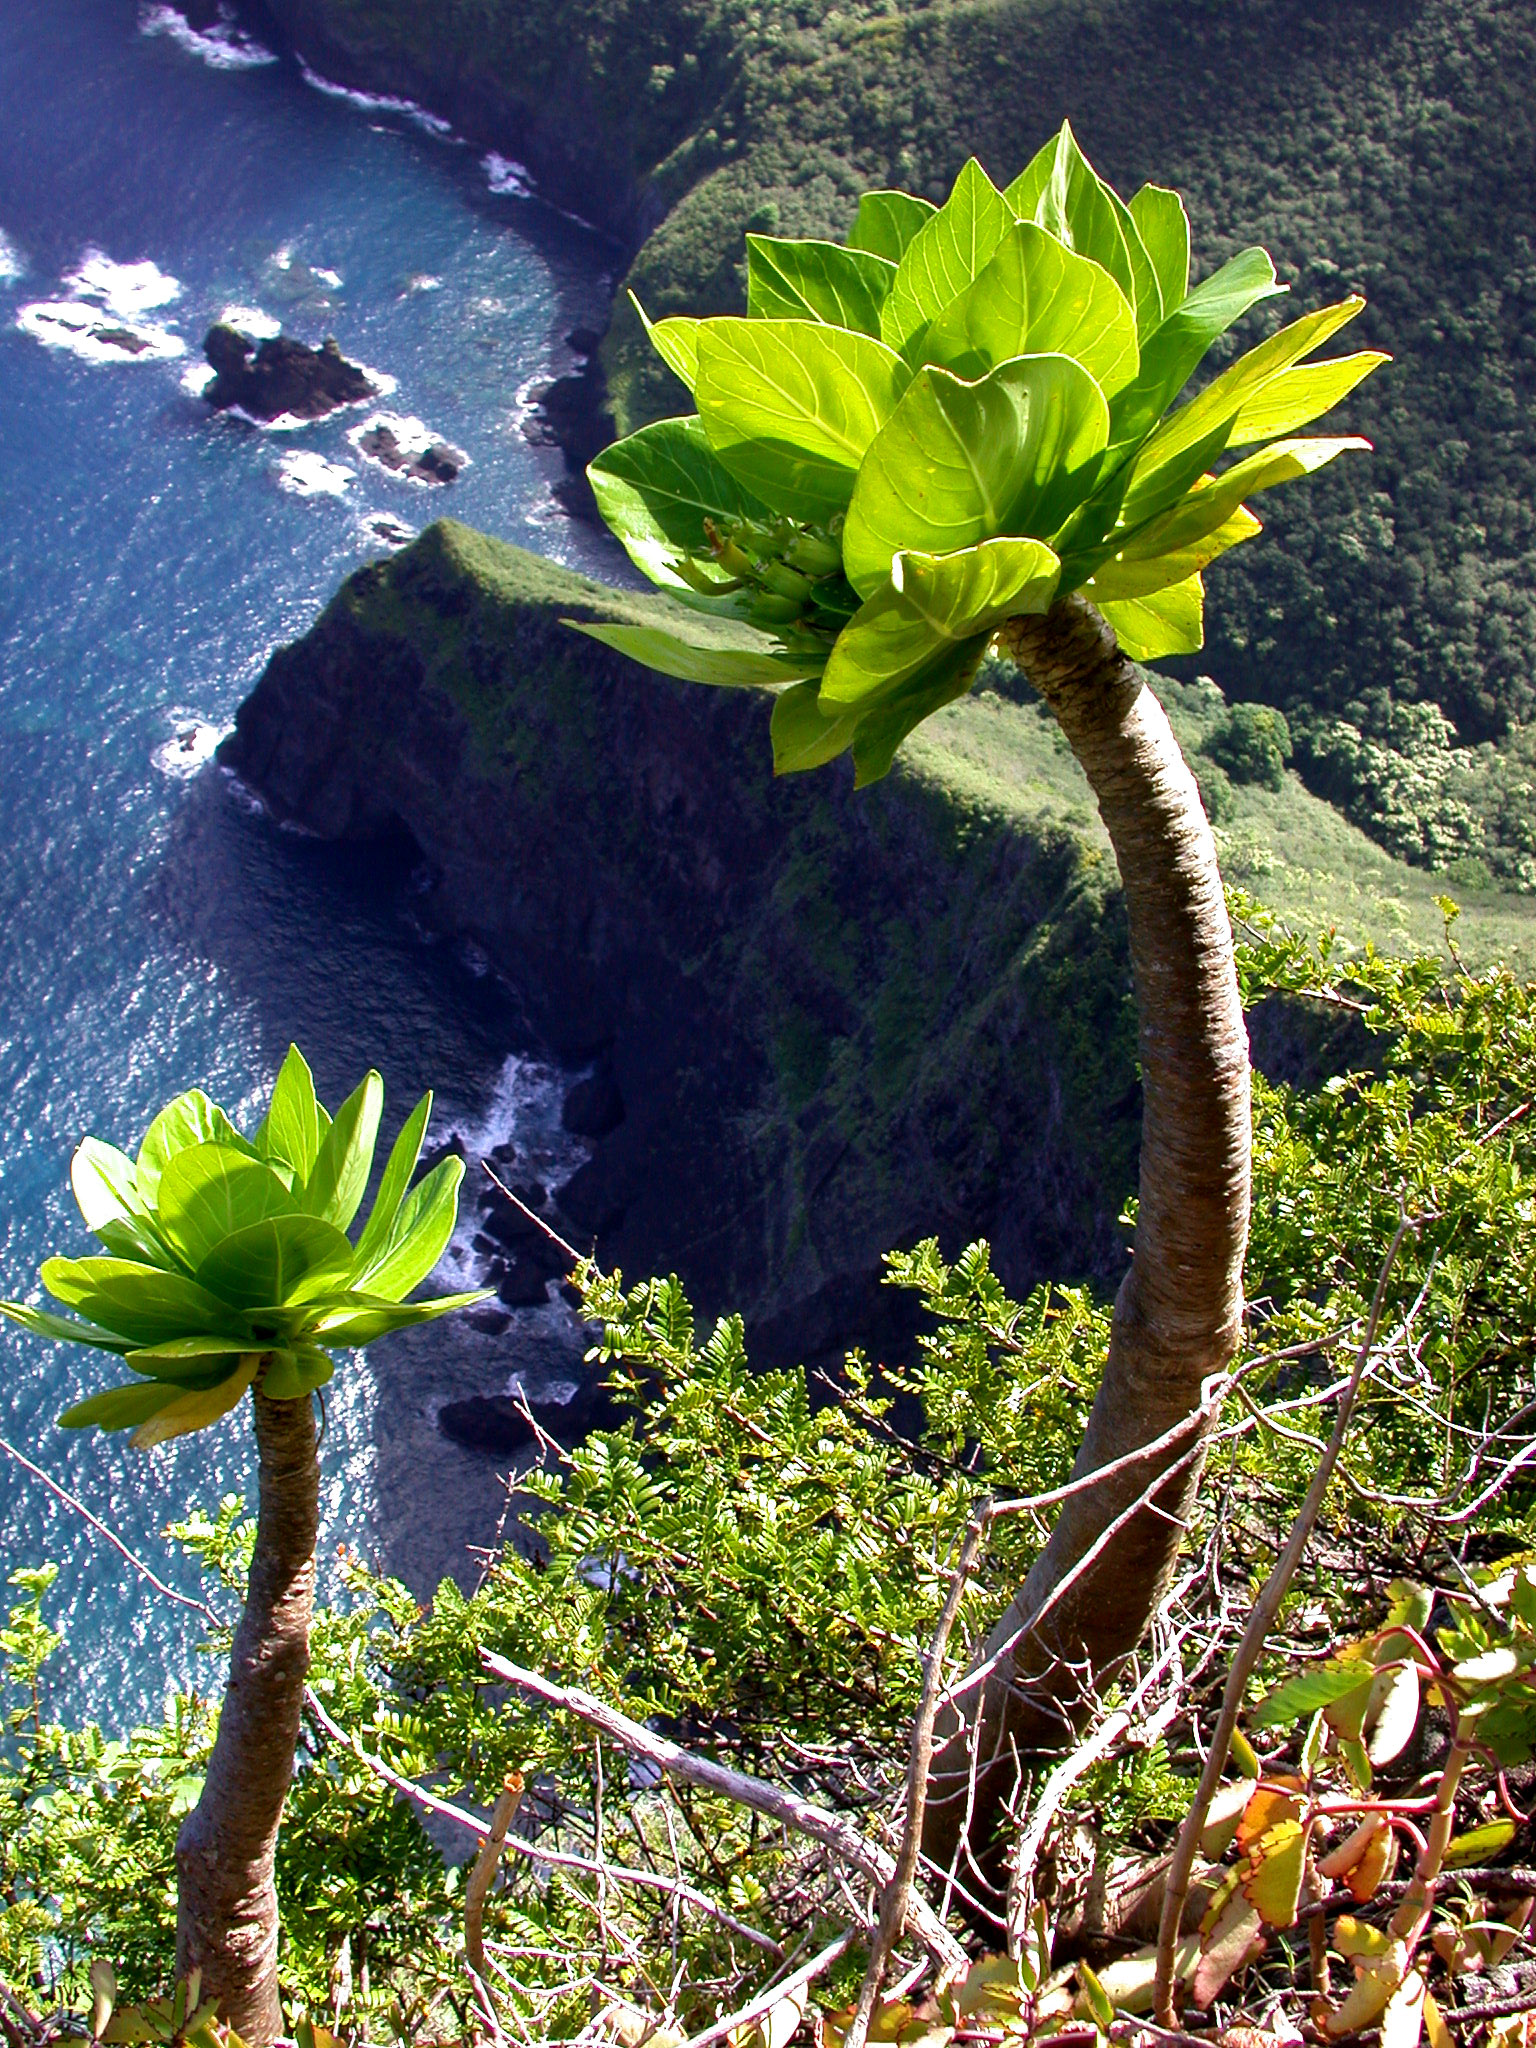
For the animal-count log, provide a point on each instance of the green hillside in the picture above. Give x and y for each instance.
(1370, 144)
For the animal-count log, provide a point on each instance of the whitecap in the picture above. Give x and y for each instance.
(306, 473)
(507, 177)
(196, 378)
(225, 47)
(327, 277)
(376, 102)
(412, 439)
(252, 322)
(127, 289)
(385, 530)
(191, 746)
(420, 281)
(12, 264)
(96, 335)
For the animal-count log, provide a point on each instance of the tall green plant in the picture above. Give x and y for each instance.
(963, 425)
(959, 418)
(228, 1268)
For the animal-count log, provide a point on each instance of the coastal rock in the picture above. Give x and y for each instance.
(496, 1423)
(436, 463)
(593, 1107)
(281, 378)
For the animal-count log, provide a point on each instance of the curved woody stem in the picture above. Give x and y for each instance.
(226, 1921)
(1178, 1313)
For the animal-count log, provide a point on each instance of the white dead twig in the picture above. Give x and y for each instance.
(896, 1900)
(763, 2003)
(561, 1859)
(789, 1808)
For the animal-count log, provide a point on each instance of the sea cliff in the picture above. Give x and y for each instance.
(835, 1022)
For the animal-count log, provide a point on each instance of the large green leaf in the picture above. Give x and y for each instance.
(196, 1408)
(290, 1130)
(336, 1186)
(1171, 621)
(942, 258)
(190, 1120)
(290, 1375)
(748, 660)
(929, 604)
(790, 406)
(816, 281)
(1072, 202)
(1211, 504)
(140, 1302)
(188, 1361)
(63, 1328)
(1163, 226)
(1297, 397)
(803, 735)
(106, 1191)
(105, 1184)
(887, 221)
(1195, 431)
(119, 1407)
(958, 463)
(395, 1181)
(1035, 297)
(280, 1262)
(656, 488)
(675, 340)
(1172, 352)
(209, 1190)
(882, 730)
(420, 1234)
(1143, 568)
(365, 1319)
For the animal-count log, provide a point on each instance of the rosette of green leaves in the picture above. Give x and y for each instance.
(227, 1259)
(963, 414)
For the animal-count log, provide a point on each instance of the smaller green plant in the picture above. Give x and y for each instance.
(227, 1258)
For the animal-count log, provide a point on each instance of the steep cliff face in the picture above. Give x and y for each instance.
(835, 1022)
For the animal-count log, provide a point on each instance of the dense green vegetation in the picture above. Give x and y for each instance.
(762, 1570)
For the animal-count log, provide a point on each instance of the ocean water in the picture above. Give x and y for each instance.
(158, 931)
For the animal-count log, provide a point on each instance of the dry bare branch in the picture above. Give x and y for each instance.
(789, 1808)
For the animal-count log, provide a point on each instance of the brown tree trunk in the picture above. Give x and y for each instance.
(1178, 1314)
(226, 1919)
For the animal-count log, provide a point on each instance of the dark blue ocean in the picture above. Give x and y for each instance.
(158, 931)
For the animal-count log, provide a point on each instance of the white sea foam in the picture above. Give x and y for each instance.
(196, 378)
(190, 747)
(252, 322)
(377, 102)
(130, 290)
(420, 281)
(506, 176)
(327, 277)
(225, 47)
(412, 436)
(386, 530)
(12, 265)
(306, 473)
(97, 336)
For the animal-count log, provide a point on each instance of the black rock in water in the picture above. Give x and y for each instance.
(281, 376)
(439, 463)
